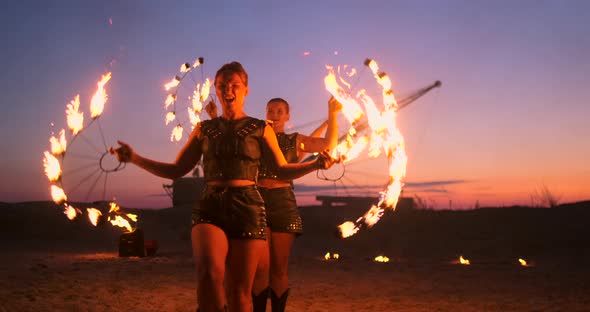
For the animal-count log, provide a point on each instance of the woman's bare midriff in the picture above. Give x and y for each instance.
(272, 183)
(230, 183)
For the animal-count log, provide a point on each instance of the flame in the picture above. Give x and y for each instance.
(329, 256)
(57, 194)
(58, 144)
(198, 62)
(117, 219)
(348, 229)
(100, 97)
(382, 259)
(205, 90)
(176, 134)
(523, 262)
(172, 83)
(193, 117)
(350, 107)
(93, 215)
(75, 119)
(196, 100)
(71, 212)
(170, 116)
(52, 167)
(464, 261)
(373, 215)
(373, 129)
(185, 67)
(169, 100)
(121, 222)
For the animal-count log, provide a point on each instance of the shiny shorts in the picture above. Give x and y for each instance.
(238, 211)
(282, 214)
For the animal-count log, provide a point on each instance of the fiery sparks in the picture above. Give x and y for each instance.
(74, 117)
(100, 97)
(373, 129)
(523, 262)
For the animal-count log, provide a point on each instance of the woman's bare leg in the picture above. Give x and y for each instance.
(210, 248)
(280, 250)
(242, 260)
(261, 279)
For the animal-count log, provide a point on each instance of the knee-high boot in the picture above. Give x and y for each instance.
(259, 301)
(277, 303)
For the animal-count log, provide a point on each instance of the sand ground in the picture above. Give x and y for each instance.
(55, 265)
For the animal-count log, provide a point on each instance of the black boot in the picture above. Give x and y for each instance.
(259, 301)
(278, 303)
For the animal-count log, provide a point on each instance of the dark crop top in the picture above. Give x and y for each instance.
(232, 148)
(288, 145)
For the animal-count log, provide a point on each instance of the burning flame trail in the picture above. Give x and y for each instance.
(52, 166)
(373, 129)
(198, 97)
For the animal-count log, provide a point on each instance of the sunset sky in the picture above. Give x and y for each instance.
(510, 118)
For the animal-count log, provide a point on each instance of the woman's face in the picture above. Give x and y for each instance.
(278, 113)
(231, 92)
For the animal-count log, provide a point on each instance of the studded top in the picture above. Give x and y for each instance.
(232, 148)
(288, 145)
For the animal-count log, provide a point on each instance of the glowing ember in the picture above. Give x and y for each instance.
(58, 195)
(371, 128)
(52, 167)
(382, 259)
(523, 262)
(58, 144)
(176, 133)
(331, 256)
(100, 97)
(464, 261)
(93, 215)
(75, 119)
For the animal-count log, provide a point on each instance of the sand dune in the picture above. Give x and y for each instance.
(52, 264)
